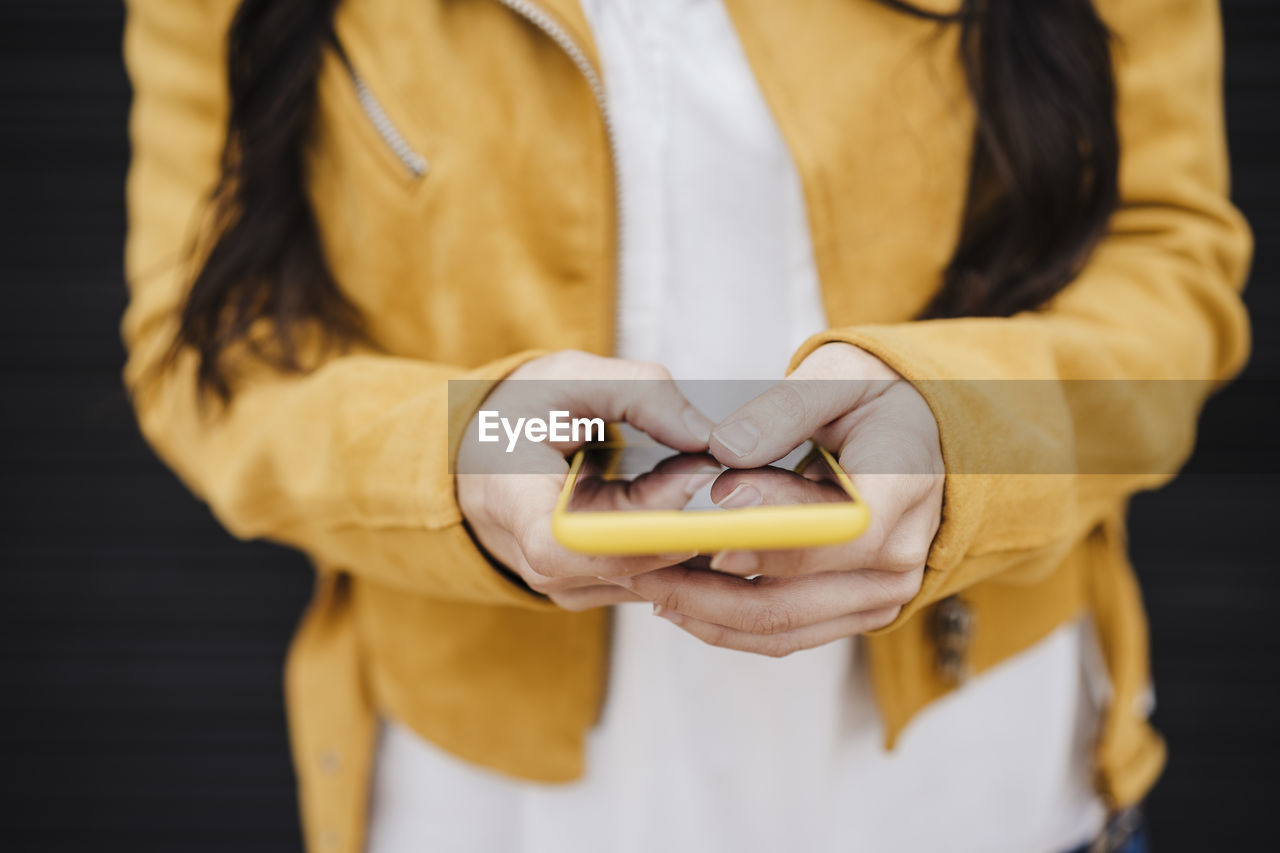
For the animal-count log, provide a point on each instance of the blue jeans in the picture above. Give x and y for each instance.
(1134, 834)
(1137, 842)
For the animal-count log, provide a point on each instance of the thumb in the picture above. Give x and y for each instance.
(646, 397)
(789, 413)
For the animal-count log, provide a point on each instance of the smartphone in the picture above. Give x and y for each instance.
(647, 499)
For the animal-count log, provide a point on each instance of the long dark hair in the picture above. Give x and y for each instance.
(266, 261)
(1042, 182)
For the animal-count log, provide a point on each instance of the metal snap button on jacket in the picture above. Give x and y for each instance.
(953, 624)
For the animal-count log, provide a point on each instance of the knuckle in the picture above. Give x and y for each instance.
(899, 589)
(882, 618)
(539, 585)
(538, 561)
(906, 585)
(572, 603)
(771, 617)
(549, 585)
(894, 588)
(542, 559)
(876, 543)
(913, 581)
(652, 371)
(785, 402)
(562, 362)
(904, 556)
(717, 636)
(671, 598)
(918, 554)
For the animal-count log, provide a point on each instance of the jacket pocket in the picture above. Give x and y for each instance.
(413, 162)
(354, 117)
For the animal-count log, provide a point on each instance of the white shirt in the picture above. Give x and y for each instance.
(704, 749)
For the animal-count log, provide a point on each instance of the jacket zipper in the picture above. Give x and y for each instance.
(537, 16)
(414, 162)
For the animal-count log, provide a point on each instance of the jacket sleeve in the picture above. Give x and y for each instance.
(349, 462)
(1113, 372)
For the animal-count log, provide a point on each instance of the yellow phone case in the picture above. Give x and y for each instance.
(677, 531)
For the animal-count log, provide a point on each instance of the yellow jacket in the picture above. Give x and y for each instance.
(505, 247)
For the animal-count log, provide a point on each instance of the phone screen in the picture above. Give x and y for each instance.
(653, 477)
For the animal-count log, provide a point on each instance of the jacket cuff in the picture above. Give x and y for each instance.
(499, 581)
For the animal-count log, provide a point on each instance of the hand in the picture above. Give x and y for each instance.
(778, 602)
(509, 513)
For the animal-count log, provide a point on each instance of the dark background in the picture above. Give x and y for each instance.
(142, 647)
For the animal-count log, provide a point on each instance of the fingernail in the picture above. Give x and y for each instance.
(623, 582)
(743, 496)
(740, 437)
(678, 558)
(735, 562)
(699, 479)
(699, 424)
(670, 615)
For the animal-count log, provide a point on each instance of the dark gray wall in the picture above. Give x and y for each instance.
(142, 647)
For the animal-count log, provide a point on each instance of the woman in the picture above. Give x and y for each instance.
(337, 208)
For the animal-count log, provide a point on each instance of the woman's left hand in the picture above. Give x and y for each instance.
(778, 602)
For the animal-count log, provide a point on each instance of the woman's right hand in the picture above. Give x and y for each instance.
(509, 510)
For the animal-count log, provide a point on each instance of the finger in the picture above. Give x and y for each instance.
(771, 605)
(784, 563)
(643, 395)
(673, 481)
(904, 518)
(894, 433)
(525, 502)
(892, 456)
(669, 485)
(789, 642)
(522, 504)
(888, 543)
(778, 421)
(773, 486)
(787, 414)
(590, 597)
(738, 488)
(897, 540)
(547, 559)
